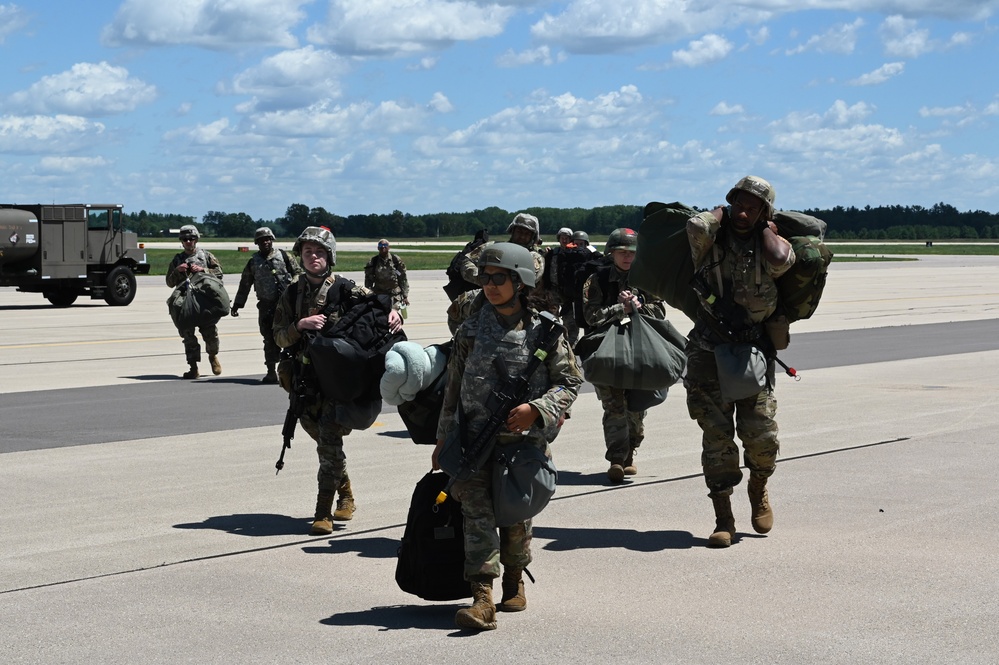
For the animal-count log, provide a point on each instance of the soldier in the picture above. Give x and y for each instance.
(505, 326)
(607, 297)
(525, 231)
(299, 314)
(737, 256)
(385, 274)
(269, 271)
(194, 260)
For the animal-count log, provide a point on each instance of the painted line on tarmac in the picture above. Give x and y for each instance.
(344, 535)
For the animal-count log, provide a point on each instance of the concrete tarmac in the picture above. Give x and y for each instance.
(185, 546)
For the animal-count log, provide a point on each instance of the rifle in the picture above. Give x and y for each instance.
(716, 322)
(302, 394)
(511, 392)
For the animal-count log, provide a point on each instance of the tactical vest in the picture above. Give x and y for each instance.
(271, 275)
(490, 340)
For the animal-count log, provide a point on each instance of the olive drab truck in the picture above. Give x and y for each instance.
(65, 251)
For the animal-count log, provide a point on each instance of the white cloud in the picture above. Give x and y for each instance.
(440, 103)
(902, 39)
(71, 165)
(943, 112)
(759, 36)
(880, 75)
(423, 64)
(708, 49)
(213, 24)
(12, 19)
(724, 108)
(47, 134)
(605, 26)
(87, 89)
(537, 56)
(840, 39)
(403, 27)
(290, 79)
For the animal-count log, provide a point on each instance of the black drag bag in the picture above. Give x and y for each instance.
(432, 553)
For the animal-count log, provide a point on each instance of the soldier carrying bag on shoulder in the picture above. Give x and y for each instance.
(460, 460)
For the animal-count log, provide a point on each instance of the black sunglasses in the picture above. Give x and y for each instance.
(497, 278)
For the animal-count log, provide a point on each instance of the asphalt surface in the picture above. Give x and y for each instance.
(143, 520)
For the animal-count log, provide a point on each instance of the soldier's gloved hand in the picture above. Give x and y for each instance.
(234, 312)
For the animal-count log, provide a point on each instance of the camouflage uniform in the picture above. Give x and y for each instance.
(269, 275)
(319, 419)
(207, 260)
(624, 430)
(387, 275)
(748, 279)
(471, 375)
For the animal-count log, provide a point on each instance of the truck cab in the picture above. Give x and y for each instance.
(65, 251)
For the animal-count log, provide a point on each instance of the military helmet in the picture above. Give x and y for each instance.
(189, 231)
(319, 235)
(581, 236)
(621, 239)
(529, 222)
(564, 231)
(515, 258)
(263, 232)
(759, 188)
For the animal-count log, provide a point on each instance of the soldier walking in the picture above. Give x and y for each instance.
(193, 260)
(385, 274)
(301, 312)
(269, 271)
(607, 298)
(737, 256)
(507, 328)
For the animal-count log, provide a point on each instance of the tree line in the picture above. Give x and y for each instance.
(941, 221)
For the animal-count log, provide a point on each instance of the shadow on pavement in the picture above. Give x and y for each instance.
(565, 539)
(402, 617)
(369, 548)
(253, 524)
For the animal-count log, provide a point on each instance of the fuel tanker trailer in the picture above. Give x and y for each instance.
(65, 251)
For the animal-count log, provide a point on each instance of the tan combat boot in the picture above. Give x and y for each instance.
(322, 525)
(514, 599)
(616, 472)
(763, 514)
(630, 468)
(191, 373)
(724, 521)
(482, 614)
(345, 504)
(216, 365)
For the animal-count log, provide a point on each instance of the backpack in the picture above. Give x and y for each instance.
(421, 414)
(456, 284)
(579, 277)
(570, 260)
(431, 561)
(663, 263)
(354, 346)
(801, 287)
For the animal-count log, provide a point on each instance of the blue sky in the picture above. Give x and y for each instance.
(369, 106)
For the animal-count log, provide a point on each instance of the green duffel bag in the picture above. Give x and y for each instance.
(200, 300)
(663, 264)
(643, 354)
(801, 287)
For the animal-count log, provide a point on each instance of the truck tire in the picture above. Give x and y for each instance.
(61, 298)
(120, 289)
